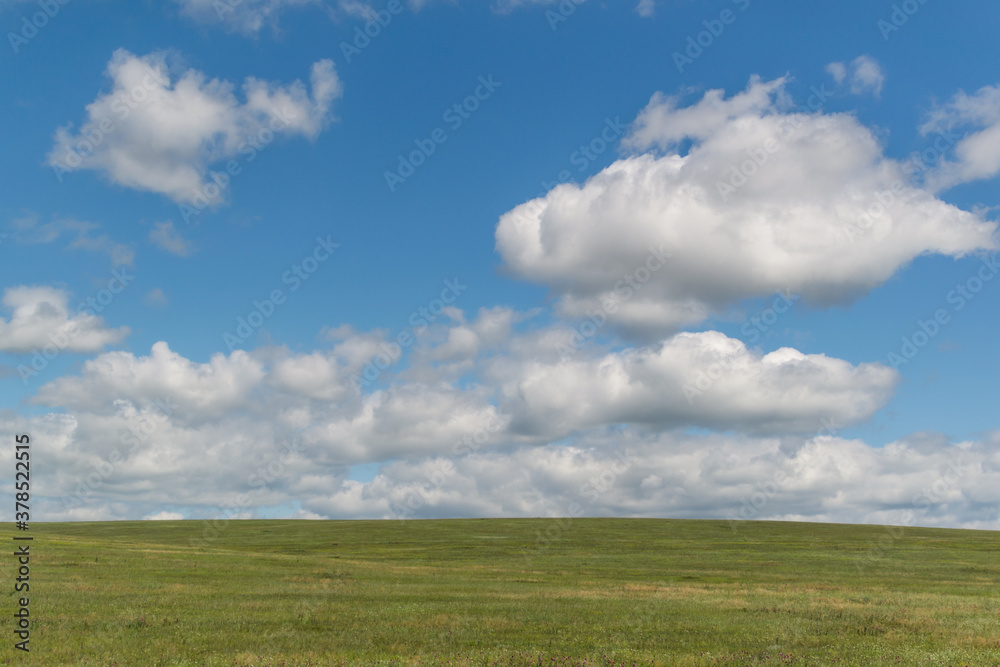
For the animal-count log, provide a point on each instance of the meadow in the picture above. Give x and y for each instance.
(491, 592)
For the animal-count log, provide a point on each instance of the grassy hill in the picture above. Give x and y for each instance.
(508, 592)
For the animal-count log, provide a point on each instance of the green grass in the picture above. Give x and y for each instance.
(464, 592)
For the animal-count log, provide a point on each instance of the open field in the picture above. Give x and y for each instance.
(480, 592)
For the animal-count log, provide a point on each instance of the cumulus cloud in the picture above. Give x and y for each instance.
(41, 318)
(825, 478)
(245, 16)
(143, 420)
(469, 376)
(863, 75)
(407, 420)
(976, 155)
(203, 391)
(552, 382)
(161, 135)
(493, 417)
(692, 379)
(732, 231)
(216, 472)
(466, 340)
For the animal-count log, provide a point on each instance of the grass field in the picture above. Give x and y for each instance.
(485, 592)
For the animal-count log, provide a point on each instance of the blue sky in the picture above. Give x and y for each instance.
(646, 126)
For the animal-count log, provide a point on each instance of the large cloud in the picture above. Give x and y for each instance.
(809, 218)
(151, 133)
(164, 432)
(221, 470)
(202, 391)
(699, 379)
(920, 480)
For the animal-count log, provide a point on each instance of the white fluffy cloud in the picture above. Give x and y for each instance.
(41, 318)
(976, 155)
(153, 133)
(162, 432)
(221, 470)
(921, 480)
(736, 229)
(699, 379)
(551, 382)
(201, 391)
(246, 16)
